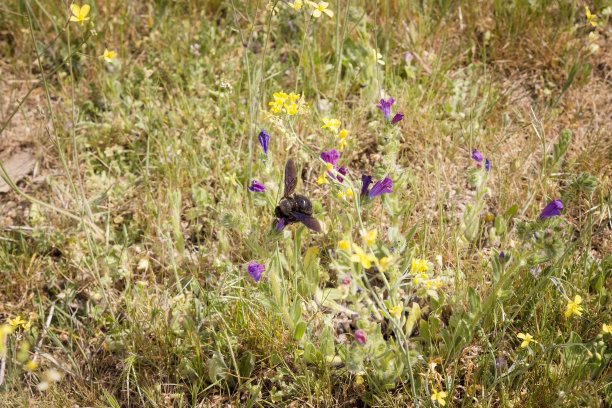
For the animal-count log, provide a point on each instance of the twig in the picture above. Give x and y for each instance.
(42, 337)
(3, 362)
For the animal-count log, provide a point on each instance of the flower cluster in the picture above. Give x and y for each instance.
(334, 126)
(477, 156)
(385, 108)
(18, 321)
(291, 104)
(316, 10)
(380, 187)
(80, 14)
(573, 307)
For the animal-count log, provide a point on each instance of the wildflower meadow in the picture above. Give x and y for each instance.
(287, 203)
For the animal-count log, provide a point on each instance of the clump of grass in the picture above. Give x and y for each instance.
(464, 253)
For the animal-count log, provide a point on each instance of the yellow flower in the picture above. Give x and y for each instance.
(384, 263)
(527, 338)
(322, 180)
(272, 8)
(340, 194)
(343, 133)
(296, 5)
(294, 97)
(439, 397)
(5, 330)
(277, 106)
(79, 14)
(16, 322)
(419, 265)
(320, 8)
(330, 166)
(369, 236)
(358, 379)
(26, 326)
(31, 365)
(607, 328)
(377, 57)
(292, 109)
(420, 277)
(331, 124)
(349, 193)
(280, 96)
(344, 245)
(591, 18)
(396, 311)
(574, 307)
(361, 257)
(108, 55)
(342, 144)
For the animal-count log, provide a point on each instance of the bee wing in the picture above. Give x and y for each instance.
(290, 177)
(308, 221)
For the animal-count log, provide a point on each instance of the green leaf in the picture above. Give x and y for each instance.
(474, 300)
(413, 318)
(424, 331)
(327, 343)
(296, 310)
(246, 364)
(299, 331)
(217, 369)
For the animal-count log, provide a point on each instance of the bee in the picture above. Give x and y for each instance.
(294, 208)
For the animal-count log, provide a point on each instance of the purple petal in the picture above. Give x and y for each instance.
(502, 255)
(264, 140)
(476, 155)
(553, 208)
(385, 107)
(381, 187)
(360, 336)
(257, 187)
(255, 271)
(488, 165)
(341, 170)
(366, 181)
(331, 157)
(280, 224)
(398, 116)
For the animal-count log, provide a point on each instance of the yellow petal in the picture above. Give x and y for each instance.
(84, 10)
(74, 9)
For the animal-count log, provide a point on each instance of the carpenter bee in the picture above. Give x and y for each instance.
(294, 208)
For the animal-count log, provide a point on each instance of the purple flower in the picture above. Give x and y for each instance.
(488, 164)
(280, 224)
(257, 187)
(501, 363)
(255, 271)
(385, 107)
(264, 140)
(398, 116)
(476, 155)
(346, 281)
(408, 58)
(366, 181)
(553, 208)
(341, 170)
(360, 336)
(502, 255)
(535, 272)
(331, 157)
(381, 187)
